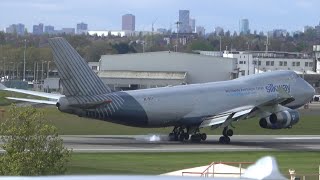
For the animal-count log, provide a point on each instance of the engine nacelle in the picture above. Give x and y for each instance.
(280, 120)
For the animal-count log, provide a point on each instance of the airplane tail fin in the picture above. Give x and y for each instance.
(76, 77)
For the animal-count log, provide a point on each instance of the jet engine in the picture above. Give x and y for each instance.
(280, 120)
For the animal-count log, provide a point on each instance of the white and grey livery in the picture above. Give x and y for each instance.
(271, 96)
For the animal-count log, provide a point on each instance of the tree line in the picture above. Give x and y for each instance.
(37, 50)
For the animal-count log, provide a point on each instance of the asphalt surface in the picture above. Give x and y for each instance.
(159, 143)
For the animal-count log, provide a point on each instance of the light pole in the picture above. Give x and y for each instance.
(248, 57)
(48, 69)
(24, 60)
(178, 23)
(220, 43)
(42, 71)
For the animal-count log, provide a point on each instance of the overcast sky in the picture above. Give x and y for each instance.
(263, 15)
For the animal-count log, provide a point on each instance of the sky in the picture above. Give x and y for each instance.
(263, 15)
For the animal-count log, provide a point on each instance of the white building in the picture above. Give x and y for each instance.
(245, 63)
(316, 50)
(121, 33)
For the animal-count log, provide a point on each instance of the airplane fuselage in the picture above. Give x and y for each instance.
(189, 104)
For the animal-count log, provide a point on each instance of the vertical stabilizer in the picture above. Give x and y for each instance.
(76, 77)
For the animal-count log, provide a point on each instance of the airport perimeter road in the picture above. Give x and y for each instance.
(123, 143)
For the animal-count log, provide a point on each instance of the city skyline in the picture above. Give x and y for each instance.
(264, 16)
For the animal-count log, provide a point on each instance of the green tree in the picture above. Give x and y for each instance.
(32, 146)
(200, 44)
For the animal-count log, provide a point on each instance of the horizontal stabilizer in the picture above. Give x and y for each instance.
(34, 93)
(33, 100)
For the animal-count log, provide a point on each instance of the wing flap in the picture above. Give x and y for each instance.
(224, 119)
(213, 121)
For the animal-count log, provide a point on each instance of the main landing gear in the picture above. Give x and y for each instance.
(183, 134)
(227, 133)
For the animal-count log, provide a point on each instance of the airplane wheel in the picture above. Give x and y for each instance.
(227, 140)
(186, 136)
(221, 140)
(171, 137)
(203, 136)
(224, 140)
(224, 132)
(176, 137)
(196, 138)
(181, 137)
(229, 132)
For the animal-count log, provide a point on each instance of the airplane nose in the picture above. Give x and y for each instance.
(310, 91)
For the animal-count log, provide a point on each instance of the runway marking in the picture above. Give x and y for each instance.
(298, 138)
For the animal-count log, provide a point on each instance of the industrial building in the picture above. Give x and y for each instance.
(252, 62)
(160, 69)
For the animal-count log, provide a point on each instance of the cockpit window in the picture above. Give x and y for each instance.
(294, 76)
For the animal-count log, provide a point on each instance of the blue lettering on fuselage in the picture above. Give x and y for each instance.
(270, 88)
(273, 88)
(242, 91)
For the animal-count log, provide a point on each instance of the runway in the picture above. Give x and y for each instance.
(122, 143)
(144, 143)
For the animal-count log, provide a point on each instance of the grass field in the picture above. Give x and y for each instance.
(74, 125)
(158, 163)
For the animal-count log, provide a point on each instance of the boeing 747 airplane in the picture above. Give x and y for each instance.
(271, 96)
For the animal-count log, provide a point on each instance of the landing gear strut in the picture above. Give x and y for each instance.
(227, 133)
(183, 134)
(178, 134)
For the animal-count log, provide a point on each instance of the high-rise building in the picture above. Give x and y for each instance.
(218, 30)
(128, 22)
(279, 33)
(192, 23)
(82, 28)
(201, 31)
(184, 17)
(16, 28)
(70, 31)
(38, 29)
(244, 26)
(49, 29)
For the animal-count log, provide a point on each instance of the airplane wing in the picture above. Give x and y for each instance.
(226, 118)
(34, 93)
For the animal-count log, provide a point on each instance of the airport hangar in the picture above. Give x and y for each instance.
(161, 69)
